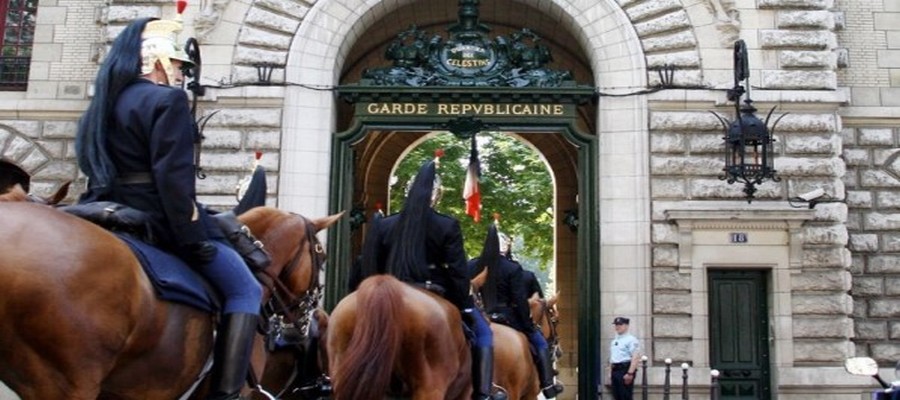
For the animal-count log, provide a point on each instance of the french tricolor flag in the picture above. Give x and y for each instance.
(471, 192)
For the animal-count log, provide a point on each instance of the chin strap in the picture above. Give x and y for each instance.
(192, 48)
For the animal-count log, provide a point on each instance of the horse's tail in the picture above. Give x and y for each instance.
(367, 363)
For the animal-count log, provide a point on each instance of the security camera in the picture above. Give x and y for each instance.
(812, 195)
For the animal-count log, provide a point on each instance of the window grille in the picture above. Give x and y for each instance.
(17, 21)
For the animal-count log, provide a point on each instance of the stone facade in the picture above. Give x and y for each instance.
(831, 67)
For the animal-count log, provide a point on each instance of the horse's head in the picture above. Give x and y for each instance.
(297, 254)
(546, 316)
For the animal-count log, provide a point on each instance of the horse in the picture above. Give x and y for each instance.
(520, 379)
(82, 321)
(391, 337)
(17, 193)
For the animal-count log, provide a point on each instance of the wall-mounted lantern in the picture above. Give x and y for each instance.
(749, 155)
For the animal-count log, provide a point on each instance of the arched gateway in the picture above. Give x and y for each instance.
(466, 81)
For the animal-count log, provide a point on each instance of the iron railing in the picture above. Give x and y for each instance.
(667, 390)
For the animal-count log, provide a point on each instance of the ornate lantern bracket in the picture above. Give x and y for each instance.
(749, 153)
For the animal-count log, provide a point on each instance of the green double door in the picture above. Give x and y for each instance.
(738, 327)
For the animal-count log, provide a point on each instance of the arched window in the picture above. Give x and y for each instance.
(16, 37)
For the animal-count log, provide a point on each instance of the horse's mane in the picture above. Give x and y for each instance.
(15, 193)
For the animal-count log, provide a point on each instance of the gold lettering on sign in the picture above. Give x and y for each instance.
(467, 63)
(465, 109)
(397, 109)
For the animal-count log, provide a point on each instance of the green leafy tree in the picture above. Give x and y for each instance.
(515, 183)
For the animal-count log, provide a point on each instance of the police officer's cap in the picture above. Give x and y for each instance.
(621, 321)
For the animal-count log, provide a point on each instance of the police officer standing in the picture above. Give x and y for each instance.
(422, 247)
(135, 143)
(623, 359)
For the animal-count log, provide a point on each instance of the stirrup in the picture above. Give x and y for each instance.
(552, 390)
(498, 392)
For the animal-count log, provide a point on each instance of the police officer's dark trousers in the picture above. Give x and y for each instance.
(621, 391)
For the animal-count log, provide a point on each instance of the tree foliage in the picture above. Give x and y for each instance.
(515, 183)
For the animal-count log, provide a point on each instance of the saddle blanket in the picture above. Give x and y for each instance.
(172, 278)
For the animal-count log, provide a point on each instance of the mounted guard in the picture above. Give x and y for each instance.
(135, 143)
(506, 302)
(421, 247)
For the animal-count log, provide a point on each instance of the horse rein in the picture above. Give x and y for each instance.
(549, 313)
(283, 303)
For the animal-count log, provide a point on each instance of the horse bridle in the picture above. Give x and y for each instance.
(552, 317)
(280, 310)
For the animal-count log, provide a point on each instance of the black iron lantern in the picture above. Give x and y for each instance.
(749, 153)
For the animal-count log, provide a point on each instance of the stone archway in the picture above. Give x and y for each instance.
(608, 51)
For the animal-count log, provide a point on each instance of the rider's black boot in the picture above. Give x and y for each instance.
(232, 355)
(549, 387)
(482, 374)
(317, 384)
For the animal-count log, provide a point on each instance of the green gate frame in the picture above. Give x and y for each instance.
(588, 246)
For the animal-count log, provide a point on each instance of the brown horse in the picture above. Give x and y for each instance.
(17, 193)
(511, 347)
(387, 330)
(80, 317)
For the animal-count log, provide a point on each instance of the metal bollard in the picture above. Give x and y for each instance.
(643, 377)
(667, 383)
(714, 387)
(684, 381)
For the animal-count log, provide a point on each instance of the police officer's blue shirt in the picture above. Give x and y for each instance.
(622, 348)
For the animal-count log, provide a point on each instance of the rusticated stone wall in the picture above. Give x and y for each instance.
(685, 162)
(873, 195)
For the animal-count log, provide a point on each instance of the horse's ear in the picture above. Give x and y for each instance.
(255, 195)
(478, 280)
(553, 299)
(60, 194)
(324, 222)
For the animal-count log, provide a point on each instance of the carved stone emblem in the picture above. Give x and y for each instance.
(467, 58)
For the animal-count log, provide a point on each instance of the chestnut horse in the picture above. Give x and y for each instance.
(511, 348)
(389, 337)
(518, 378)
(81, 319)
(17, 193)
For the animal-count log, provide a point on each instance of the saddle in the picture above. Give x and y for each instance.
(172, 278)
(115, 217)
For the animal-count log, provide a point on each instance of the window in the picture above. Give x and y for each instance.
(16, 38)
